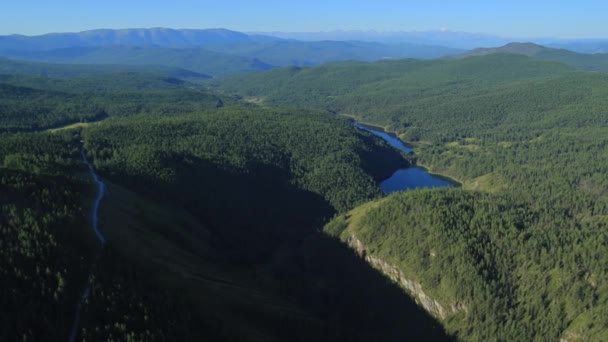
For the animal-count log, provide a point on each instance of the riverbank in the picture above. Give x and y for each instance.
(409, 147)
(460, 183)
(369, 125)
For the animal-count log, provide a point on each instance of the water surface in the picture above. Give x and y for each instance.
(408, 178)
(389, 138)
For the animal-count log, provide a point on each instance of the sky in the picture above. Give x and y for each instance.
(507, 18)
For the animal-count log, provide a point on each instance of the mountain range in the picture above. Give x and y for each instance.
(589, 62)
(219, 52)
(163, 37)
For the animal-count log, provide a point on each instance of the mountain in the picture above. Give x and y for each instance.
(163, 37)
(193, 59)
(526, 49)
(17, 67)
(590, 62)
(519, 251)
(211, 221)
(304, 53)
(385, 88)
(581, 45)
(447, 38)
(215, 52)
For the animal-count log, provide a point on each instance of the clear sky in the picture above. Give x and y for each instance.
(510, 18)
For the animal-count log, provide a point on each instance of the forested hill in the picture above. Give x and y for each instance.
(31, 103)
(18, 67)
(213, 217)
(195, 59)
(164, 37)
(215, 52)
(407, 96)
(584, 61)
(519, 252)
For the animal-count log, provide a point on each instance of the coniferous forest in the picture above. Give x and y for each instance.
(247, 207)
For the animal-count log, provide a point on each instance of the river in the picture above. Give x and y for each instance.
(101, 190)
(407, 178)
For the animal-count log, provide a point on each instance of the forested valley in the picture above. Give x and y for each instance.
(519, 251)
(248, 207)
(213, 216)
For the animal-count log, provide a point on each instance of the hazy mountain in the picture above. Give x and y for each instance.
(451, 39)
(527, 49)
(304, 53)
(163, 37)
(583, 46)
(211, 51)
(194, 59)
(591, 62)
(15, 67)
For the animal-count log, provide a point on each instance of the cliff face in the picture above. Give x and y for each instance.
(432, 306)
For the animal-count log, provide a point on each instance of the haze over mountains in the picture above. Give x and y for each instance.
(210, 51)
(589, 62)
(245, 201)
(443, 37)
(218, 52)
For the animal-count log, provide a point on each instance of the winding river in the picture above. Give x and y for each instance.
(101, 190)
(408, 178)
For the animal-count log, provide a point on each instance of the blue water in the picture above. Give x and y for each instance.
(409, 178)
(101, 190)
(391, 140)
(412, 178)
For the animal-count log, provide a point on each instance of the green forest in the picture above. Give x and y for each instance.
(213, 216)
(522, 245)
(248, 207)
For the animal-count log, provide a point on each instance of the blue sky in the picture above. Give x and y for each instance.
(510, 18)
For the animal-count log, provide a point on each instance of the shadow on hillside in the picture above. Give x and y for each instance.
(259, 220)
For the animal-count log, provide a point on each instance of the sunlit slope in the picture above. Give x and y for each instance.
(486, 266)
(29, 103)
(518, 252)
(402, 94)
(584, 61)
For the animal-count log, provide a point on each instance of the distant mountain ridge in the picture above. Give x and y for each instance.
(16, 67)
(446, 38)
(589, 62)
(163, 37)
(215, 52)
(526, 49)
(195, 59)
(219, 52)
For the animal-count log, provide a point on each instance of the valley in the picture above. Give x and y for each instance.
(208, 185)
(412, 177)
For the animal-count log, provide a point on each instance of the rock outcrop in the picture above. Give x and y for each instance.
(414, 288)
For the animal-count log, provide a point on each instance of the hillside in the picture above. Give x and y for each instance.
(517, 253)
(215, 52)
(589, 62)
(407, 96)
(226, 59)
(291, 52)
(162, 37)
(54, 70)
(193, 59)
(212, 218)
(31, 103)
